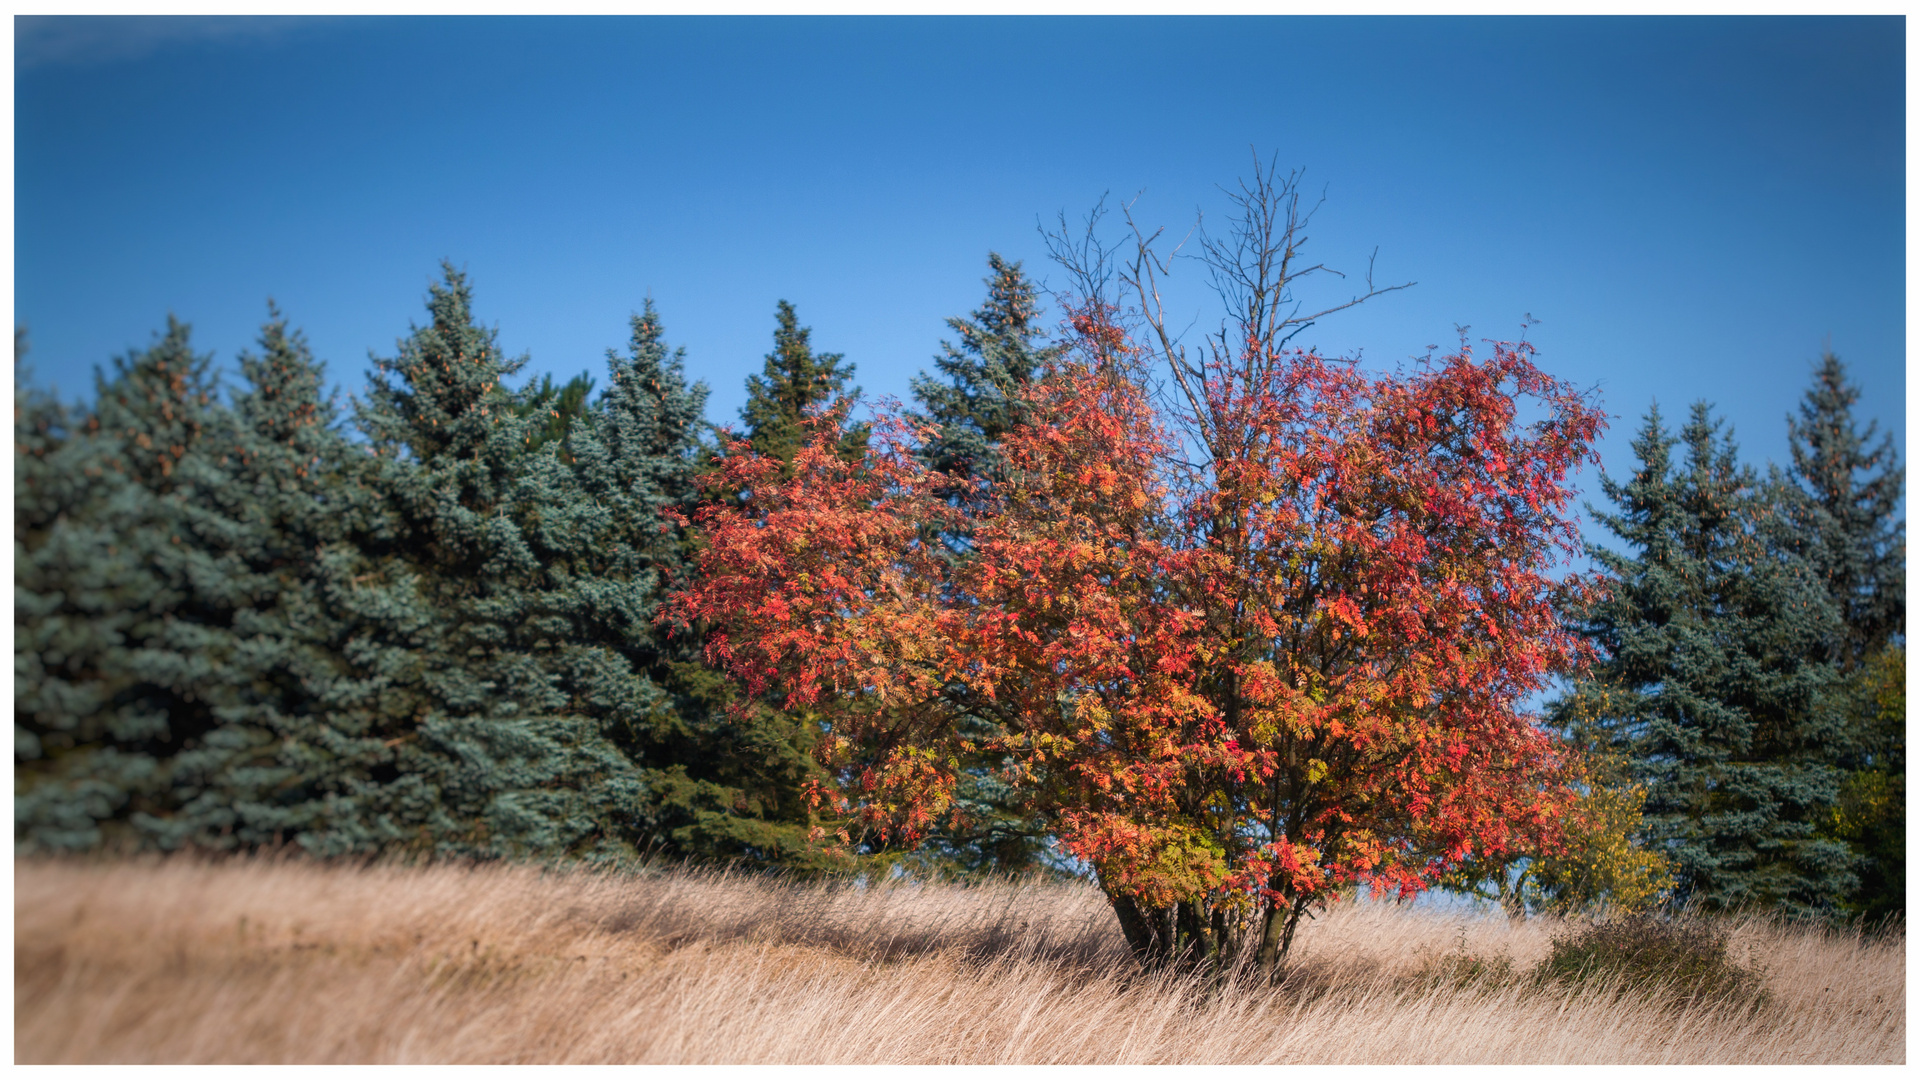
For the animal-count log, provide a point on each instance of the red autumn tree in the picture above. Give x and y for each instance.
(1266, 640)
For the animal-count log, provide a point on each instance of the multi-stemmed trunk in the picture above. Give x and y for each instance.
(1185, 936)
(1193, 936)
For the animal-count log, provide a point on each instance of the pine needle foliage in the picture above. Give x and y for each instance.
(1847, 513)
(490, 756)
(795, 382)
(260, 507)
(1871, 814)
(111, 665)
(1709, 684)
(1001, 352)
(558, 406)
(239, 626)
(1844, 498)
(714, 784)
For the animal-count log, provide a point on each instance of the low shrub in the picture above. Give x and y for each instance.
(1682, 959)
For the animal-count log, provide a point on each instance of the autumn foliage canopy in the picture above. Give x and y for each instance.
(1238, 658)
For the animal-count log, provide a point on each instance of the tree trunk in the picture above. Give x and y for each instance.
(1272, 952)
(1192, 945)
(1189, 935)
(1276, 936)
(1148, 930)
(1513, 901)
(1294, 911)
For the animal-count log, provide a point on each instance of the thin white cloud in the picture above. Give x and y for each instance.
(41, 41)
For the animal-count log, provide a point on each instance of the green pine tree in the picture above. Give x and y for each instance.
(559, 406)
(718, 783)
(1871, 813)
(1850, 527)
(113, 674)
(795, 381)
(1845, 509)
(488, 755)
(729, 781)
(1707, 684)
(1000, 352)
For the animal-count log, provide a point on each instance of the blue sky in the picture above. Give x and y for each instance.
(1690, 207)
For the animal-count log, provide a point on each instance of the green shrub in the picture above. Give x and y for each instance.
(1678, 959)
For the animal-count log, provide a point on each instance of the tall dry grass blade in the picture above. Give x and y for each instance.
(265, 960)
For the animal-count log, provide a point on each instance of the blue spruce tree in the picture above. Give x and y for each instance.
(266, 510)
(1001, 350)
(718, 783)
(1847, 505)
(1707, 682)
(488, 754)
(112, 679)
(1845, 493)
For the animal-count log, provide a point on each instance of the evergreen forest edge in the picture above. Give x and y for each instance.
(427, 624)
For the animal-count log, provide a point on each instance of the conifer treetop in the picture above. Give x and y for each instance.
(286, 392)
(1850, 526)
(156, 404)
(432, 399)
(1001, 351)
(651, 403)
(795, 380)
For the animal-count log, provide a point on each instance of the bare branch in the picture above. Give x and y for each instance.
(1253, 268)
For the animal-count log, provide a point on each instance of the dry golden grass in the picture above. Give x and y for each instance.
(184, 960)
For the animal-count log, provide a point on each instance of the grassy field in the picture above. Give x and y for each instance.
(285, 961)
